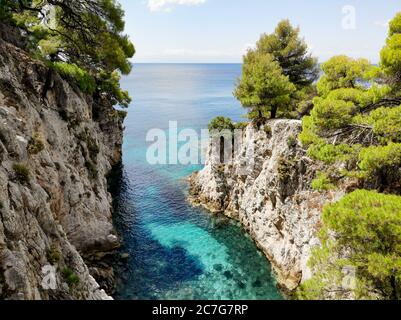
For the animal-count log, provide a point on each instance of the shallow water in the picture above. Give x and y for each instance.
(177, 251)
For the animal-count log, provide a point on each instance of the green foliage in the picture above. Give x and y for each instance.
(83, 39)
(53, 255)
(291, 52)
(220, 124)
(362, 231)
(122, 114)
(309, 135)
(70, 277)
(4, 10)
(241, 125)
(386, 124)
(345, 120)
(331, 114)
(344, 72)
(292, 142)
(263, 87)
(268, 130)
(35, 145)
(22, 173)
(81, 77)
(109, 83)
(331, 154)
(391, 53)
(322, 182)
(395, 25)
(277, 75)
(374, 159)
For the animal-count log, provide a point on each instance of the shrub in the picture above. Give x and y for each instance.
(241, 125)
(35, 145)
(22, 173)
(291, 142)
(92, 169)
(122, 114)
(367, 226)
(81, 77)
(330, 154)
(268, 130)
(332, 114)
(220, 124)
(308, 135)
(373, 159)
(109, 83)
(387, 124)
(53, 255)
(71, 278)
(322, 183)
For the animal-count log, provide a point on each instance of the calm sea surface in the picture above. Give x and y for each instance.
(177, 251)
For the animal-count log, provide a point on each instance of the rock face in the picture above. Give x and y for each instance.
(271, 195)
(56, 147)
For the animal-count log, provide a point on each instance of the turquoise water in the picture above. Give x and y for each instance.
(177, 251)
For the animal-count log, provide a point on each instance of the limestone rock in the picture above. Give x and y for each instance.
(56, 147)
(271, 195)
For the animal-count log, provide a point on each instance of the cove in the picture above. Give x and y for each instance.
(177, 251)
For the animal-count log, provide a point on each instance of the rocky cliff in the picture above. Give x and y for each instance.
(57, 146)
(270, 195)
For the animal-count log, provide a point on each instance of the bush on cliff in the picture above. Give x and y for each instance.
(83, 40)
(362, 233)
(355, 130)
(354, 111)
(221, 123)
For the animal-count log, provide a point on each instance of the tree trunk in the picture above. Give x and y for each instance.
(260, 114)
(222, 151)
(274, 112)
(394, 287)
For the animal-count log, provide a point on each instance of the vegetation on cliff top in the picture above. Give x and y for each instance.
(355, 129)
(278, 75)
(83, 40)
(361, 235)
(352, 124)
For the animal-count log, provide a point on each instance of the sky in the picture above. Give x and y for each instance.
(220, 31)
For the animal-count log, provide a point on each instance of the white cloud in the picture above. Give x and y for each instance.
(166, 5)
(383, 24)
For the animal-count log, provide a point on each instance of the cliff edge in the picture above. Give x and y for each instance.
(57, 146)
(274, 200)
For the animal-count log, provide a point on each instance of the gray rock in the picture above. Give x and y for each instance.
(271, 197)
(62, 210)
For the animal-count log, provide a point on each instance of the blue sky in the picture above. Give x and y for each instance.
(221, 30)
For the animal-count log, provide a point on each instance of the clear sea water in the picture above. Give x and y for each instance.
(177, 251)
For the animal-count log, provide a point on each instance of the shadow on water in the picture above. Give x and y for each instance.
(182, 252)
(149, 260)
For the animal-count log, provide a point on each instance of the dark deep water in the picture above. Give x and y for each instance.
(177, 251)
